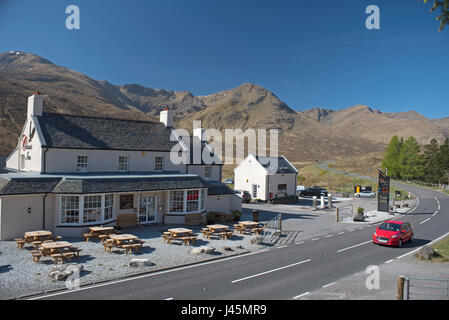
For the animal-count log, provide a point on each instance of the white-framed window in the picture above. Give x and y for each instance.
(208, 171)
(79, 210)
(159, 164)
(108, 206)
(70, 213)
(193, 200)
(92, 209)
(123, 163)
(82, 163)
(176, 201)
(186, 201)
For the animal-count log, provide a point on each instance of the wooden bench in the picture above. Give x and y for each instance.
(36, 244)
(258, 231)
(57, 257)
(188, 239)
(103, 237)
(87, 236)
(128, 248)
(36, 255)
(226, 235)
(76, 251)
(68, 256)
(20, 243)
(108, 246)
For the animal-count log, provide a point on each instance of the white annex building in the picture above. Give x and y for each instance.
(266, 178)
(70, 172)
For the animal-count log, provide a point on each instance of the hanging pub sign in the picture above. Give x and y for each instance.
(383, 203)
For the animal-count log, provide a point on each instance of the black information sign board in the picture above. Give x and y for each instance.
(383, 203)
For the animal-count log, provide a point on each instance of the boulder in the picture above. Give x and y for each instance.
(197, 250)
(225, 248)
(62, 272)
(359, 218)
(142, 262)
(208, 249)
(426, 253)
(257, 240)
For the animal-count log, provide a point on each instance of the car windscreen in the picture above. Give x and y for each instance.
(390, 226)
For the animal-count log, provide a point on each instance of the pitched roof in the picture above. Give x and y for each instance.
(277, 165)
(83, 132)
(218, 188)
(100, 184)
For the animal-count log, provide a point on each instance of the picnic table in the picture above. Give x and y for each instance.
(36, 238)
(249, 226)
(181, 234)
(99, 232)
(217, 229)
(124, 241)
(58, 250)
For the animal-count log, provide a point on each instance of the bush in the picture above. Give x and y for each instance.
(360, 211)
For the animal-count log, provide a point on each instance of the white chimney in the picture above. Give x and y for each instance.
(35, 104)
(166, 117)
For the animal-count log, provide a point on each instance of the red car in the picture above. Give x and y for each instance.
(393, 233)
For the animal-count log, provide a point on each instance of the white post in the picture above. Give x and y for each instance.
(322, 201)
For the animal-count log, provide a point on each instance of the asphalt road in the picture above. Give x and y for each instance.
(279, 273)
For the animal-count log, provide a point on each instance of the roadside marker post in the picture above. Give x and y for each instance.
(400, 294)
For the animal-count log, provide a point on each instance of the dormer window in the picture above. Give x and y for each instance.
(82, 163)
(123, 163)
(159, 164)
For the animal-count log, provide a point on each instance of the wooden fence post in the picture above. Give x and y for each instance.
(400, 294)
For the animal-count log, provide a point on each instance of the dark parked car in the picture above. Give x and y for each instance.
(246, 197)
(313, 192)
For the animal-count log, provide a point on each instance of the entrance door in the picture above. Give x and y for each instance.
(147, 209)
(254, 191)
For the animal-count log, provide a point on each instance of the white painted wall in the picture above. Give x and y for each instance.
(15, 219)
(223, 203)
(200, 170)
(250, 172)
(275, 180)
(65, 160)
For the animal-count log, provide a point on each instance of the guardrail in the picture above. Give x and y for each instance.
(410, 288)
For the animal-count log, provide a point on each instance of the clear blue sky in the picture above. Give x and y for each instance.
(309, 53)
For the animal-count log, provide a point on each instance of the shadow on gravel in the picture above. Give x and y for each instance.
(6, 268)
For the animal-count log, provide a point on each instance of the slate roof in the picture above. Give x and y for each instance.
(282, 167)
(27, 186)
(89, 185)
(83, 132)
(218, 188)
(85, 186)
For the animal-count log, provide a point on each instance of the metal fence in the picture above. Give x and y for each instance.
(426, 289)
(344, 213)
(272, 229)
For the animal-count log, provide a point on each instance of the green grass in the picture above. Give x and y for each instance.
(314, 176)
(442, 251)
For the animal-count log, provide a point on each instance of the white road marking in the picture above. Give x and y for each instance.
(315, 239)
(282, 247)
(301, 295)
(429, 244)
(341, 232)
(145, 275)
(169, 298)
(329, 236)
(299, 242)
(357, 245)
(424, 221)
(329, 284)
(270, 271)
(389, 261)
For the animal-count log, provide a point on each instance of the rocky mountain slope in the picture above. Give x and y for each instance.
(315, 134)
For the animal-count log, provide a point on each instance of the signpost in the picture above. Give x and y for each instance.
(383, 203)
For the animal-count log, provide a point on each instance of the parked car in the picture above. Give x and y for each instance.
(246, 197)
(393, 233)
(365, 194)
(229, 181)
(313, 192)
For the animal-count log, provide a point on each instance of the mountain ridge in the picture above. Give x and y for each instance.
(312, 134)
